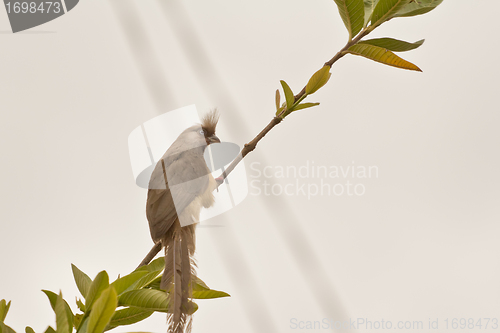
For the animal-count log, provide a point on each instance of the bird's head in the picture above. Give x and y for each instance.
(198, 136)
(208, 125)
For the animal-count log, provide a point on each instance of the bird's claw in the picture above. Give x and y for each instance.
(220, 180)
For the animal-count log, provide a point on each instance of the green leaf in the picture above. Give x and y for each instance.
(70, 315)
(100, 283)
(206, 294)
(352, 13)
(288, 94)
(304, 106)
(194, 307)
(202, 291)
(80, 305)
(82, 326)
(369, 8)
(199, 285)
(393, 44)
(278, 99)
(144, 281)
(418, 7)
(286, 114)
(149, 299)
(381, 55)
(64, 318)
(103, 311)
(82, 280)
(155, 265)
(50, 330)
(29, 330)
(386, 9)
(4, 308)
(155, 284)
(128, 316)
(78, 320)
(126, 281)
(52, 298)
(6, 329)
(318, 80)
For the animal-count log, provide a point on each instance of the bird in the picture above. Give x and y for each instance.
(180, 185)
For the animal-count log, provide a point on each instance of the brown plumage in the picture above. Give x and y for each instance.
(180, 185)
(209, 122)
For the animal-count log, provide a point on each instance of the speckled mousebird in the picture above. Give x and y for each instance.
(180, 185)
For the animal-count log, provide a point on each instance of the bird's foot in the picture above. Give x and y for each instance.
(219, 181)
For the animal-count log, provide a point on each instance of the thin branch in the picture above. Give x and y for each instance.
(249, 147)
(339, 55)
(152, 253)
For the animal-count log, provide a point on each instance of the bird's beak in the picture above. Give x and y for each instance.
(213, 139)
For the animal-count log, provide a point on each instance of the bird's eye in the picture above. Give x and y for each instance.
(202, 132)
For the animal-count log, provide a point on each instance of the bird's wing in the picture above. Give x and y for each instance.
(186, 179)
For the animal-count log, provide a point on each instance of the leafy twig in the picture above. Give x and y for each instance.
(356, 15)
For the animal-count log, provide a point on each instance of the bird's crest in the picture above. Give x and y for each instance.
(209, 122)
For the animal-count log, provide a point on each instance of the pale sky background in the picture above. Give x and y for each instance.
(422, 242)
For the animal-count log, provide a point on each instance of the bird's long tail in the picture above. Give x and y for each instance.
(177, 277)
